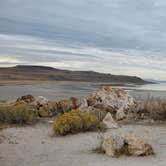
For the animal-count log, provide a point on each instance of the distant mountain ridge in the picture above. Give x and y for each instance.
(44, 73)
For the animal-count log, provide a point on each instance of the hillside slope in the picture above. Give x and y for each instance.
(41, 73)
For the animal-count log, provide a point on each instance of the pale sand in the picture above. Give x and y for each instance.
(34, 146)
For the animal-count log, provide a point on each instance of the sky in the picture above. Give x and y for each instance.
(124, 37)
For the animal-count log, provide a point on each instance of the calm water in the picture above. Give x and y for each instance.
(61, 90)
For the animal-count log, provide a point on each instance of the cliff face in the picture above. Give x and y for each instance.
(41, 73)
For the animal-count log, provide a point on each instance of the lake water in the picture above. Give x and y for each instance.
(62, 90)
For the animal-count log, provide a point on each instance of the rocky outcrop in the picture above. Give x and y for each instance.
(68, 105)
(130, 144)
(109, 122)
(48, 110)
(113, 100)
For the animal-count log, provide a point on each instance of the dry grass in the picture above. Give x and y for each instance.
(154, 108)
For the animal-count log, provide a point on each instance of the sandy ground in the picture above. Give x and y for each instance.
(35, 146)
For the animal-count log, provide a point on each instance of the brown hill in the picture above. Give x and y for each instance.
(41, 73)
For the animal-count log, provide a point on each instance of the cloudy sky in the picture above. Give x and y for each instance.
(113, 36)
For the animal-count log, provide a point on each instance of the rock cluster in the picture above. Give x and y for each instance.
(48, 108)
(113, 100)
(26, 99)
(68, 105)
(130, 144)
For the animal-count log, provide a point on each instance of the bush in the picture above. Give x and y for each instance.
(74, 122)
(154, 108)
(19, 113)
(90, 121)
(99, 113)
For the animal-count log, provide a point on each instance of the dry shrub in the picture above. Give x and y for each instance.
(75, 121)
(20, 113)
(154, 108)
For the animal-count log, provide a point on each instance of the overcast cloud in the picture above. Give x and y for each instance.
(114, 36)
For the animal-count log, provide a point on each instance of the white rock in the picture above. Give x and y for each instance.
(109, 121)
(83, 105)
(120, 114)
(113, 98)
(112, 145)
(41, 100)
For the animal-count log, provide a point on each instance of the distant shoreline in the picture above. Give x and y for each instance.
(34, 82)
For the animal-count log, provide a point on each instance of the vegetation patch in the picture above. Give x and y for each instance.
(19, 113)
(74, 122)
(154, 108)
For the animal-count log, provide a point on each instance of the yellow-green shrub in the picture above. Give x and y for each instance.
(99, 113)
(74, 122)
(90, 121)
(20, 113)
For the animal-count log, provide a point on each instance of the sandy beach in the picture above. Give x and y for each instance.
(35, 145)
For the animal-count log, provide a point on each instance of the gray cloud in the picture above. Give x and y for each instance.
(117, 36)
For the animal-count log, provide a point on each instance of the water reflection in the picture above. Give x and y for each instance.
(59, 90)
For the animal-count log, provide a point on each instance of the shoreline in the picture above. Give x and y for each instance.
(34, 82)
(56, 90)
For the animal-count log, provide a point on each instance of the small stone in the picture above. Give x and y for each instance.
(109, 122)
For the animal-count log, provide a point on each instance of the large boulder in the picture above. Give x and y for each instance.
(113, 100)
(48, 110)
(137, 146)
(109, 122)
(68, 105)
(113, 145)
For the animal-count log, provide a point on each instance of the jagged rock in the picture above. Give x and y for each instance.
(26, 99)
(137, 146)
(41, 101)
(113, 99)
(108, 99)
(48, 110)
(90, 101)
(120, 115)
(84, 105)
(109, 122)
(68, 105)
(113, 145)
